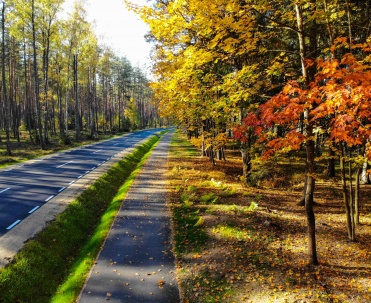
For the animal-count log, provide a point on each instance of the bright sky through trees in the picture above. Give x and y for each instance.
(119, 28)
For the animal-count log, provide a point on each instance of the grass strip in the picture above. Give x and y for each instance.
(198, 282)
(64, 252)
(189, 237)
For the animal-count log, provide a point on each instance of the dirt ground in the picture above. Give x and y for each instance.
(252, 244)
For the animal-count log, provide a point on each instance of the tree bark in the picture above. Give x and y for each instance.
(76, 97)
(36, 77)
(45, 68)
(312, 248)
(350, 227)
(356, 197)
(27, 96)
(4, 90)
(246, 160)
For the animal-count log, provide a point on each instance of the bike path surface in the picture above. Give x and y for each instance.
(136, 263)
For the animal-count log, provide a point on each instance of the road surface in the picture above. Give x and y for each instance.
(26, 187)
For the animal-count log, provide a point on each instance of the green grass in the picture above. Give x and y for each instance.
(181, 148)
(209, 198)
(189, 235)
(63, 253)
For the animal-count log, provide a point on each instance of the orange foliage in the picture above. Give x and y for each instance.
(340, 93)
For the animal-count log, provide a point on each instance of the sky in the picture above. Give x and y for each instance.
(119, 28)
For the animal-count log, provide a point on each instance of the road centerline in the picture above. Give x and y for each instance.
(64, 164)
(4, 190)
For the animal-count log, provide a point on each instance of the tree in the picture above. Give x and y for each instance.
(78, 34)
(4, 85)
(347, 101)
(132, 113)
(204, 56)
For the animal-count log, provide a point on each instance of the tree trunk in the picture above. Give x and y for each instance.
(312, 248)
(356, 197)
(349, 219)
(75, 90)
(46, 85)
(246, 160)
(60, 110)
(351, 198)
(4, 90)
(310, 148)
(27, 96)
(36, 77)
(211, 155)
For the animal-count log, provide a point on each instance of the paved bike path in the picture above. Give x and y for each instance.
(136, 263)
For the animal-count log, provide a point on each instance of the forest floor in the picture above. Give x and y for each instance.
(238, 243)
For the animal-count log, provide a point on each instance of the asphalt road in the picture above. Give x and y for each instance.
(26, 187)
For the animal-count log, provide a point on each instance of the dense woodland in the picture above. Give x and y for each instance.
(59, 80)
(277, 77)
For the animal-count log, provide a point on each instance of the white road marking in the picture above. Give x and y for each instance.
(51, 197)
(62, 189)
(4, 190)
(32, 210)
(12, 225)
(64, 164)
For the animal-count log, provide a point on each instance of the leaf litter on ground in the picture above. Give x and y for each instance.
(251, 246)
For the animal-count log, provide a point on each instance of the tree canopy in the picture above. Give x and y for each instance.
(275, 76)
(58, 78)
